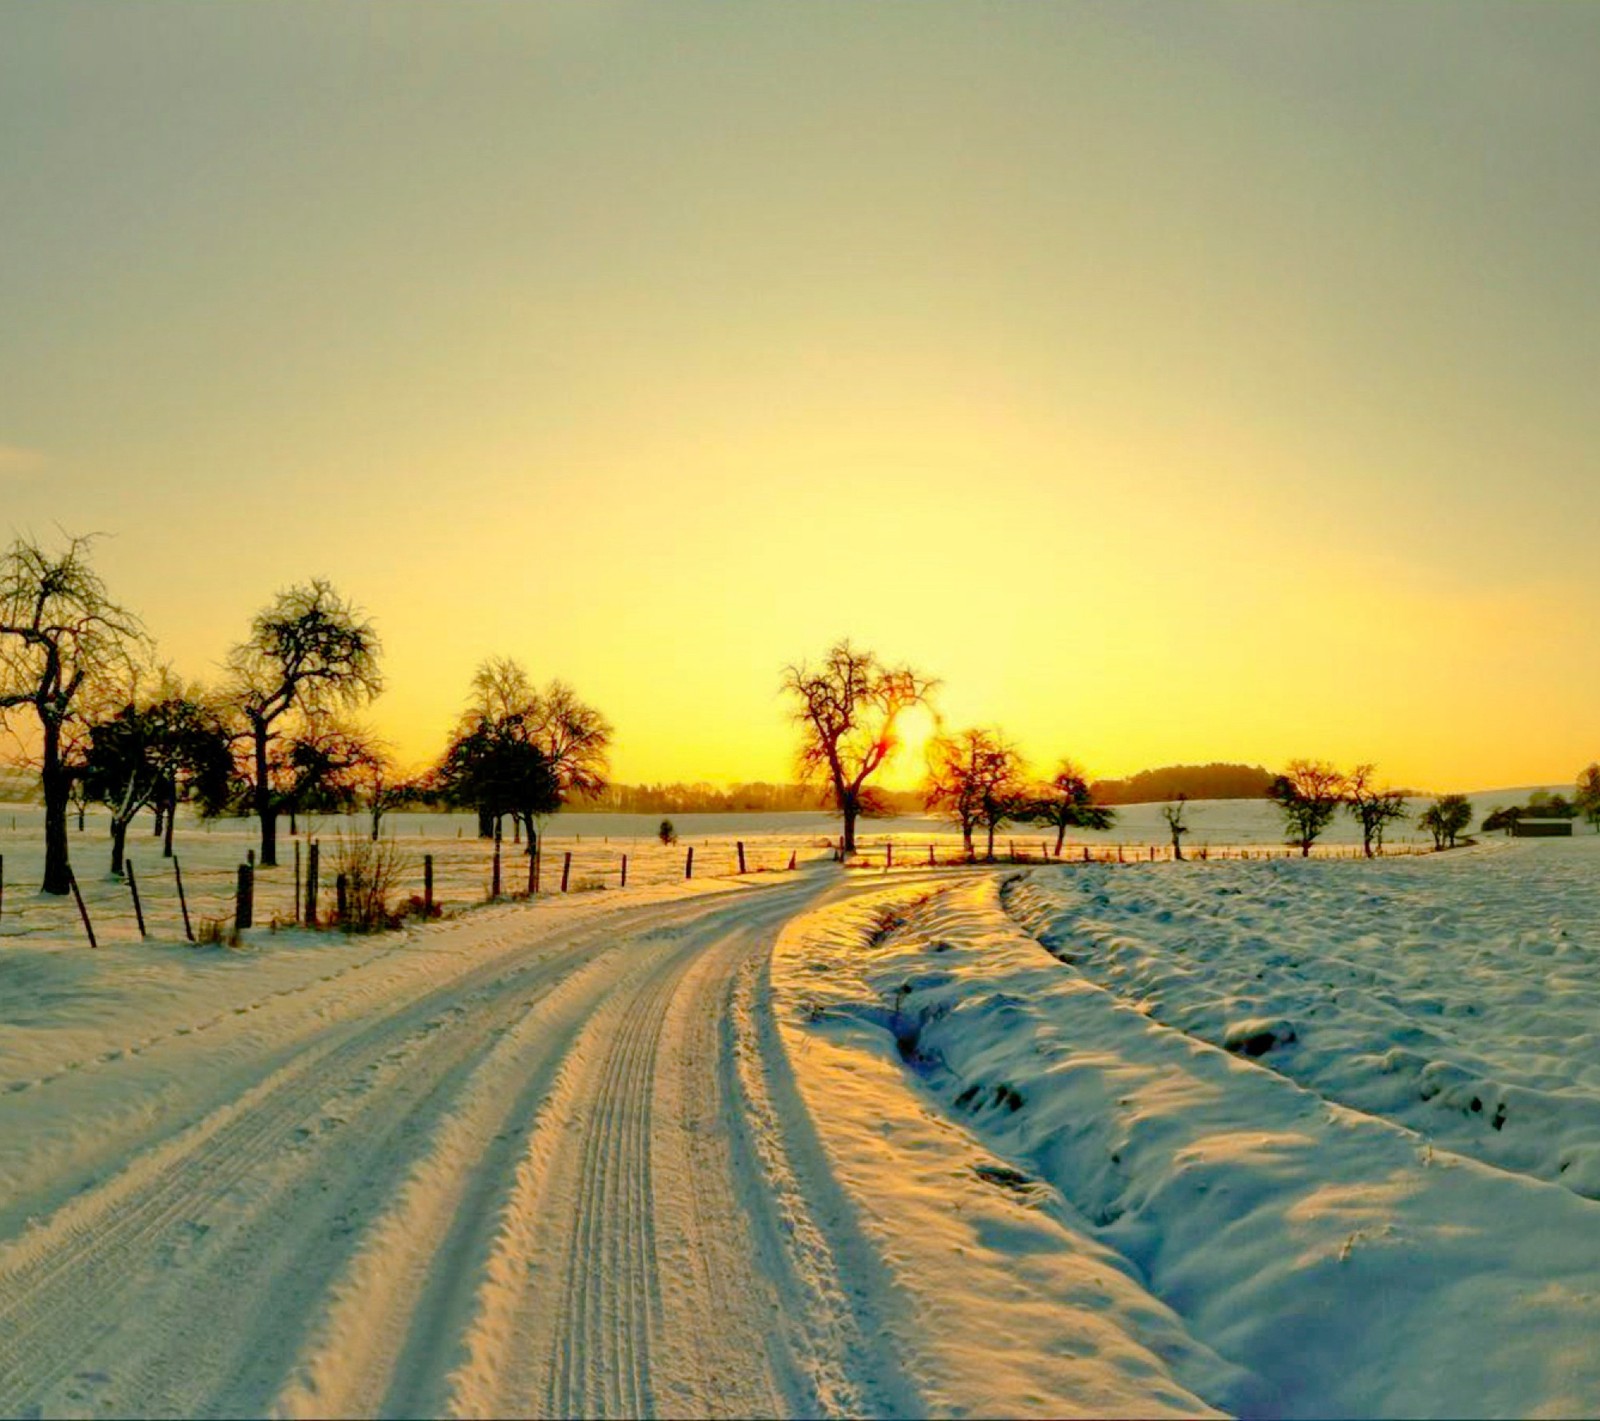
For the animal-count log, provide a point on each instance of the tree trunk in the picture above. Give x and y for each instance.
(56, 784)
(849, 808)
(172, 814)
(159, 807)
(1061, 838)
(119, 842)
(1177, 849)
(988, 851)
(266, 810)
(485, 822)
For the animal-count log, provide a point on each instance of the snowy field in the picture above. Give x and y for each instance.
(1336, 1126)
(1251, 1137)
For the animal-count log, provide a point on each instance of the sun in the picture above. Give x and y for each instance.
(913, 729)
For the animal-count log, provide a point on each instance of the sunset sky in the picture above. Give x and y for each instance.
(1175, 381)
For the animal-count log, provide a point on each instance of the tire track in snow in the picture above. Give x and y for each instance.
(67, 1283)
(543, 1184)
(582, 1308)
(645, 1206)
(368, 1356)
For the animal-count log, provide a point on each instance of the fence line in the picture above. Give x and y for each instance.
(460, 873)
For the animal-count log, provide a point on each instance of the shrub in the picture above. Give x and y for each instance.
(666, 833)
(372, 870)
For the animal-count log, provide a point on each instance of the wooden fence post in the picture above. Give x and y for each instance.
(741, 855)
(494, 881)
(83, 912)
(688, 863)
(538, 860)
(1086, 853)
(133, 888)
(624, 870)
(183, 902)
(888, 854)
(2, 885)
(243, 899)
(427, 885)
(566, 869)
(297, 879)
(793, 855)
(341, 897)
(313, 857)
(930, 855)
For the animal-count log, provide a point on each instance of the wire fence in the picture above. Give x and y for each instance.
(213, 884)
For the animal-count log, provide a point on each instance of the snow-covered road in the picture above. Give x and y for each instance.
(949, 1142)
(523, 1169)
(553, 1159)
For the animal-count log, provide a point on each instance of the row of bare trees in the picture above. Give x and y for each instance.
(1311, 792)
(848, 709)
(86, 700)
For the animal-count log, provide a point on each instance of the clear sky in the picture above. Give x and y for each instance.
(1176, 381)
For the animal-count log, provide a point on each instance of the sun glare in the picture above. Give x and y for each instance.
(913, 730)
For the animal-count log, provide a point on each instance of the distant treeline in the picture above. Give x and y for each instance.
(18, 786)
(1213, 781)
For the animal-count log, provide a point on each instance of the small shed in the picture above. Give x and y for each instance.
(1541, 826)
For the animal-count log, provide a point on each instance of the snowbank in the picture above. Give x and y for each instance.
(1348, 1264)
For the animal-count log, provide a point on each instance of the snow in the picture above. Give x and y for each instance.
(1149, 1139)
(1354, 1239)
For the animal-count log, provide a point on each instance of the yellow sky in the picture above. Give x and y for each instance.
(1176, 382)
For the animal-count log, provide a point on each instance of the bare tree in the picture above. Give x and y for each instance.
(975, 777)
(575, 738)
(1066, 803)
(500, 687)
(1309, 793)
(308, 654)
(380, 785)
(1173, 814)
(318, 765)
(572, 738)
(1374, 809)
(145, 751)
(1447, 818)
(501, 691)
(847, 710)
(60, 634)
(953, 786)
(522, 752)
